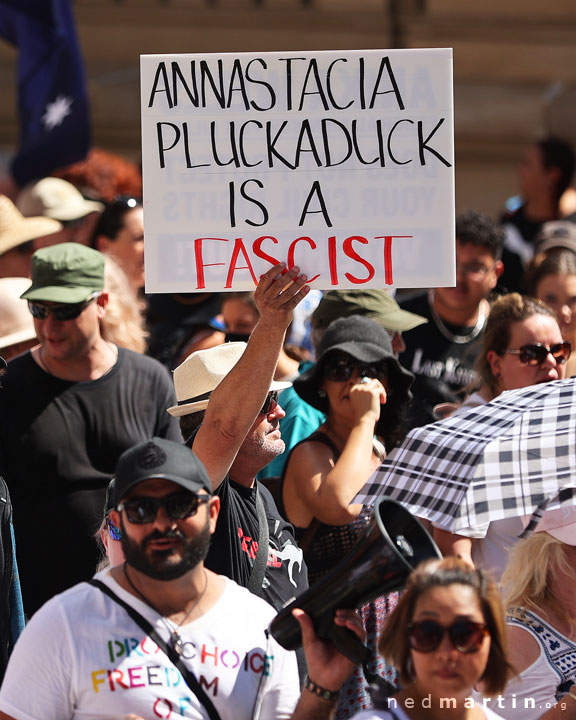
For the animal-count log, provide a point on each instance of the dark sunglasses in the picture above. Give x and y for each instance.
(536, 354)
(271, 398)
(340, 369)
(177, 507)
(63, 312)
(465, 635)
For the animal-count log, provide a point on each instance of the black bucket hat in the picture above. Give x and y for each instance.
(363, 339)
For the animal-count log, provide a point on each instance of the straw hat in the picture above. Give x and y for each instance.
(55, 198)
(202, 372)
(15, 229)
(16, 323)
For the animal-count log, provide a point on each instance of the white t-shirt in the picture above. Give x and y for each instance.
(399, 714)
(493, 543)
(82, 657)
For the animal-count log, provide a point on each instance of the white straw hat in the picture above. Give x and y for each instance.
(16, 323)
(55, 198)
(15, 229)
(202, 372)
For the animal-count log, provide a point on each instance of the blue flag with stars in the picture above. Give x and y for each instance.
(52, 100)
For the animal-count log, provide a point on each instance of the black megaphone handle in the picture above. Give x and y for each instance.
(348, 644)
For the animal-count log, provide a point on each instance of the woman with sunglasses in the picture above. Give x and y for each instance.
(551, 277)
(522, 346)
(363, 390)
(445, 636)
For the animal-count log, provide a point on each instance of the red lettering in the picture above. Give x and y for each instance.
(257, 249)
(253, 666)
(200, 265)
(273, 560)
(388, 274)
(239, 248)
(118, 676)
(352, 254)
(207, 685)
(158, 709)
(332, 260)
(206, 654)
(290, 259)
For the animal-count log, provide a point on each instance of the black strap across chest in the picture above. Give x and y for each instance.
(188, 675)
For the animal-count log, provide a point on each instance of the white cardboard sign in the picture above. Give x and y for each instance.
(339, 162)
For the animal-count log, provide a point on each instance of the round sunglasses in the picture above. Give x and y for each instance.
(340, 369)
(61, 312)
(537, 353)
(178, 506)
(466, 636)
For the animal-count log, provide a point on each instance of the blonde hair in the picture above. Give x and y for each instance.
(123, 322)
(527, 578)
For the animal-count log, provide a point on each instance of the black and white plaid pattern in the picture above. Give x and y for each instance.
(515, 456)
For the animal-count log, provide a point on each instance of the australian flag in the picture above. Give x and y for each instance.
(52, 101)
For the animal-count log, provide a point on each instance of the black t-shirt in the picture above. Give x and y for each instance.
(59, 444)
(442, 367)
(235, 544)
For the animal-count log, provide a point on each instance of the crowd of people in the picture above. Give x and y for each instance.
(177, 468)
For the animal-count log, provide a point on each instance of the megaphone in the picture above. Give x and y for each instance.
(391, 547)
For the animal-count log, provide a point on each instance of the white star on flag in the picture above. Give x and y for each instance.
(56, 112)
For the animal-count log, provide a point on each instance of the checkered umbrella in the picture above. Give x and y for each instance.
(515, 456)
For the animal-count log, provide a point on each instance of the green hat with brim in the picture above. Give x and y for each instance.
(375, 304)
(65, 273)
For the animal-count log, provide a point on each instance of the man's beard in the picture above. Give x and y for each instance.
(161, 565)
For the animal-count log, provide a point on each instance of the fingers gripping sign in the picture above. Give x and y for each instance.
(278, 293)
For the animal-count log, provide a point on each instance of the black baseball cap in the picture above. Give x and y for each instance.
(158, 458)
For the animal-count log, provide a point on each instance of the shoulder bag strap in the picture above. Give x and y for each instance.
(176, 660)
(259, 567)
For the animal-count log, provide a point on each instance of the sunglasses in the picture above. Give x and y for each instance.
(63, 312)
(465, 635)
(340, 369)
(178, 506)
(271, 398)
(536, 354)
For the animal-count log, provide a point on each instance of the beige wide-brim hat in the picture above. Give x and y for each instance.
(16, 323)
(201, 373)
(15, 229)
(55, 198)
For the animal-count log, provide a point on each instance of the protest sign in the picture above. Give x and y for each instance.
(338, 162)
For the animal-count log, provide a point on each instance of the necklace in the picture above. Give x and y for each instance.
(453, 337)
(110, 346)
(175, 641)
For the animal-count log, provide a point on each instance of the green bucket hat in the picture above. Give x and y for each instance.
(372, 303)
(65, 273)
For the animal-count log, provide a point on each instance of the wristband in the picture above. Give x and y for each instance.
(329, 695)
